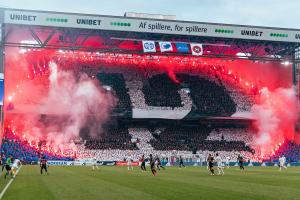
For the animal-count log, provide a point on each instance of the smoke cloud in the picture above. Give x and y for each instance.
(276, 113)
(61, 109)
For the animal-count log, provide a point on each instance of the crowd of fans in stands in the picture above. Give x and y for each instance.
(209, 98)
(161, 91)
(15, 147)
(171, 142)
(196, 138)
(113, 138)
(117, 83)
(290, 150)
(149, 89)
(202, 91)
(164, 142)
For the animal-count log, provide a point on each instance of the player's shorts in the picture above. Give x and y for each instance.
(241, 163)
(43, 166)
(15, 166)
(7, 167)
(152, 166)
(281, 164)
(210, 164)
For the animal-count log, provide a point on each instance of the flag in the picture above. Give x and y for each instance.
(182, 47)
(165, 46)
(149, 46)
(197, 49)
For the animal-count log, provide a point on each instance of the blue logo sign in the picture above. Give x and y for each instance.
(166, 46)
(149, 46)
(182, 47)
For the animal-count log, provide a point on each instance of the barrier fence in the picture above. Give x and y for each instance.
(124, 163)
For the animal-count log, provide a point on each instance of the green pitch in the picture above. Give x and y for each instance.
(81, 183)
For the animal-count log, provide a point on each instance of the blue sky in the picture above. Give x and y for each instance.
(276, 13)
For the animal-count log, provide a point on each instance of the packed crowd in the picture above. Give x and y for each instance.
(117, 83)
(209, 98)
(205, 89)
(221, 145)
(290, 150)
(204, 92)
(199, 138)
(178, 138)
(113, 138)
(171, 142)
(232, 134)
(142, 136)
(18, 148)
(120, 143)
(161, 91)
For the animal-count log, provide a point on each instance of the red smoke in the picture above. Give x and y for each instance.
(276, 114)
(68, 101)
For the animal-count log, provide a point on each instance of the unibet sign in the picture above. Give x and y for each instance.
(127, 24)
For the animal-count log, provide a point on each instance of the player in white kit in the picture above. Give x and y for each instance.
(94, 164)
(129, 164)
(282, 161)
(227, 161)
(219, 164)
(15, 166)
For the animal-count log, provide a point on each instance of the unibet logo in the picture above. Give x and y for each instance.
(22, 17)
(91, 22)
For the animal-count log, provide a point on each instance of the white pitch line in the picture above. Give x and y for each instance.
(8, 184)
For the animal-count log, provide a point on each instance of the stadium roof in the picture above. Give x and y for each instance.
(120, 23)
(72, 31)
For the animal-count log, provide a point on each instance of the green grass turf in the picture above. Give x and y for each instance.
(110, 182)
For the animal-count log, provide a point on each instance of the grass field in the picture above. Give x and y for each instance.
(74, 183)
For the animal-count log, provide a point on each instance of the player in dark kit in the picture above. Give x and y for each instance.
(43, 165)
(241, 162)
(143, 163)
(210, 161)
(158, 164)
(152, 165)
(181, 162)
(8, 164)
(3, 160)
